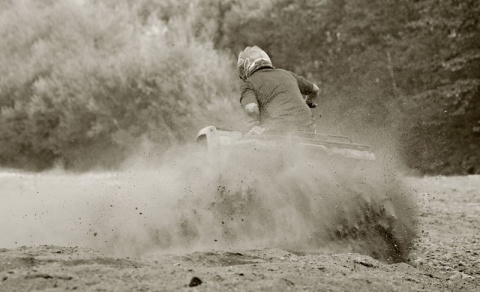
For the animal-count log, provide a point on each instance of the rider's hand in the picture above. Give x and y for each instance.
(252, 110)
(312, 96)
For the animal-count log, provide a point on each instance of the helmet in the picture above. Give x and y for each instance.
(250, 60)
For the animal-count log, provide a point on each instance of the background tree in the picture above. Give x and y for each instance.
(85, 82)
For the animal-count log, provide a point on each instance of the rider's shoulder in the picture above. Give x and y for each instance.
(274, 71)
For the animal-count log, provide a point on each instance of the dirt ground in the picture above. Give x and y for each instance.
(444, 256)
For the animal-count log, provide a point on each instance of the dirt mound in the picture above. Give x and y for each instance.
(54, 208)
(74, 268)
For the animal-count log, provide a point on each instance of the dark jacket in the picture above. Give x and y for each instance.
(278, 94)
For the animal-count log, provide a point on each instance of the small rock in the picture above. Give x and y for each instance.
(219, 278)
(467, 277)
(367, 262)
(447, 268)
(455, 276)
(195, 281)
(419, 261)
(288, 282)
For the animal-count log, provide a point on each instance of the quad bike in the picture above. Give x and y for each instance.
(369, 206)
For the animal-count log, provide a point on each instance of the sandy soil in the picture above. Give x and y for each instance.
(444, 255)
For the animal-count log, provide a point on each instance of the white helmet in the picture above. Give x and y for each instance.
(250, 60)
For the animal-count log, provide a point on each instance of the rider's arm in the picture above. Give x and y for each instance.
(248, 100)
(307, 88)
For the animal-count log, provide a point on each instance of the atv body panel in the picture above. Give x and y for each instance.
(330, 145)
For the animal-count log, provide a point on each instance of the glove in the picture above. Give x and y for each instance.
(311, 97)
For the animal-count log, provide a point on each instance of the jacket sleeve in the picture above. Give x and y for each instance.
(306, 87)
(247, 94)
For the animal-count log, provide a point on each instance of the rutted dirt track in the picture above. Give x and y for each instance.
(444, 257)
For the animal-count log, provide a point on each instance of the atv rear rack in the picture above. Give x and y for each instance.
(330, 144)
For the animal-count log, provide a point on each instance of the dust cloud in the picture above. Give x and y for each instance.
(194, 199)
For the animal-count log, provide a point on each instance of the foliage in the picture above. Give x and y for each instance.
(82, 82)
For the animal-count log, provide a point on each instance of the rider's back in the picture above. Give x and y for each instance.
(279, 96)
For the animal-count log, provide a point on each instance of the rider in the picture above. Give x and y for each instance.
(274, 97)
